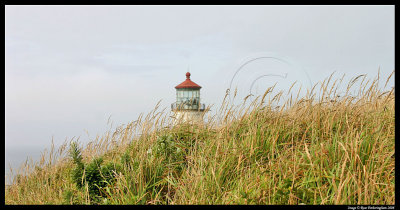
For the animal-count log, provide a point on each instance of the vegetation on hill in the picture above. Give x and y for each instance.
(325, 149)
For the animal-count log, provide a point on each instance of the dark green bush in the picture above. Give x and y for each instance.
(96, 175)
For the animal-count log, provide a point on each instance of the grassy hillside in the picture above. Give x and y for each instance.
(319, 149)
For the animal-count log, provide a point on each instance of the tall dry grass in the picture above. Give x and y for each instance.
(321, 148)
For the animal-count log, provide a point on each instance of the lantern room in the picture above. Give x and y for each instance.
(187, 96)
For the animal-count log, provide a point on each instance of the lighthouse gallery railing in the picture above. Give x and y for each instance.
(188, 106)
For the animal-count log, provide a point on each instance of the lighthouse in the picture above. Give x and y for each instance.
(187, 107)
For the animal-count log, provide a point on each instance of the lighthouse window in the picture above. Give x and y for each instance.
(188, 96)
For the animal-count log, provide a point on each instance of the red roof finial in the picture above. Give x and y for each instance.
(187, 75)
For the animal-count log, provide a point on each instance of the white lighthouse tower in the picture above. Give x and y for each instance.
(187, 107)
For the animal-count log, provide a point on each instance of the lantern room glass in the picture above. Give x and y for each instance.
(188, 98)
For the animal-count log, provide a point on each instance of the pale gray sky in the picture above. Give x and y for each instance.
(68, 68)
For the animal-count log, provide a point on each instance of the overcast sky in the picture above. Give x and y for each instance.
(68, 68)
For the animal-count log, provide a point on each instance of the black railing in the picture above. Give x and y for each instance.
(188, 106)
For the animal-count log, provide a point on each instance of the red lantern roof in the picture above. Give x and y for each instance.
(188, 83)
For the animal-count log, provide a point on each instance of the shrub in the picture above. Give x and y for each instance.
(96, 175)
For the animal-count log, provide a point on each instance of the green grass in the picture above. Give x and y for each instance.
(313, 150)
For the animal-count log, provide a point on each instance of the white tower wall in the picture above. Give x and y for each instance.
(191, 116)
